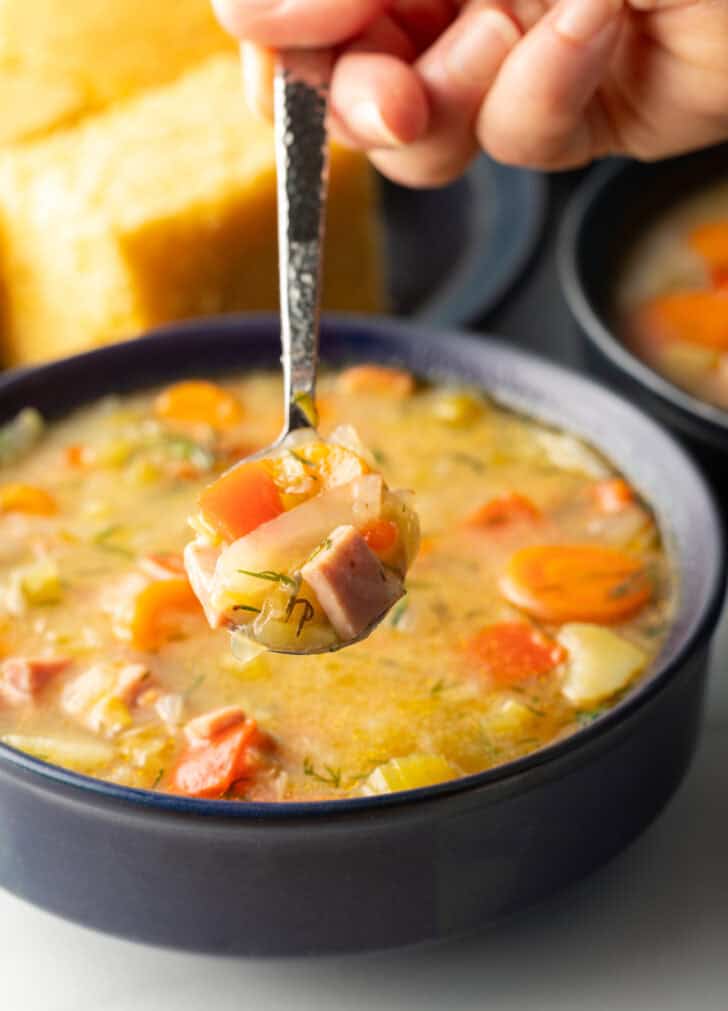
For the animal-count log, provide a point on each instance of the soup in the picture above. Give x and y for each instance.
(673, 296)
(540, 594)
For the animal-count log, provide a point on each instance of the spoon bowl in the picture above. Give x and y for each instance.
(357, 584)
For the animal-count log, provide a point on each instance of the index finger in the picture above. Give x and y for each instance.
(297, 23)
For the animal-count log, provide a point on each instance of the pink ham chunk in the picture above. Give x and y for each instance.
(130, 682)
(351, 584)
(23, 678)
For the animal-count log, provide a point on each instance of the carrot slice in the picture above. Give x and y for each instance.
(211, 769)
(612, 495)
(698, 317)
(377, 379)
(241, 500)
(26, 498)
(710, 241)
(576, 582)
(502, 511)
(380, 535)
(511, 652)
(198, 402)
(153, 614)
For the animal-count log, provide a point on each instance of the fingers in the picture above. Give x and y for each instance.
(378, 100)
(456, 73)
(295, 23)
(536, 112)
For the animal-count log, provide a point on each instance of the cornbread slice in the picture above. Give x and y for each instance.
(161, 208)
(61, 59)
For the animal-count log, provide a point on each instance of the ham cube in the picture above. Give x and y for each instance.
(130, 682)
(22, 678)
(351, 584)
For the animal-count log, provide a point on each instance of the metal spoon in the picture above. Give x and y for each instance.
(301, 89)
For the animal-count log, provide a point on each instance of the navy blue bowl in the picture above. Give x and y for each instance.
(373, 872)
(614, 206)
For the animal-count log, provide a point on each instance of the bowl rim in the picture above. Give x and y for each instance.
(588, 197)
(386, 328)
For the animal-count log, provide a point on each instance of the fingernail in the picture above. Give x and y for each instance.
(482, 40)
(366, 121)
(582, 20)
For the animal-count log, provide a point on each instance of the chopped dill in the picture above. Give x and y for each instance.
(586, 716)
(329, 776)
(301, 459)
(398, 613)
(270, 575)
(440, 686)
(157, 779)
(247, 607)
(474, 462)
(380, 458)
(194, 686)
(323, 546)
(104, 540)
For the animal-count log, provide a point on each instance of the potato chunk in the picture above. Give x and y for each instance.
(408, 773)
(600, 662)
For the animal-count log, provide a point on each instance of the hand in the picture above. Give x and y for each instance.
(421, 84)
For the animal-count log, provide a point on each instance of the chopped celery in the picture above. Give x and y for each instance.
(41, 583)
(20, 435)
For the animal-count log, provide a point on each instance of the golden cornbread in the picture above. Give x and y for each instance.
(162, 207)
(61, 59)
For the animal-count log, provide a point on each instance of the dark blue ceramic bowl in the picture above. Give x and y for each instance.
(614, 206)
(372, 872)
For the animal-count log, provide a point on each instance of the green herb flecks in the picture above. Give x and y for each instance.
(194, 686)
(180, 447)
(329, 776)
(270, 576)
(440, 686)
(398, 612)
(586, 716)
(468, 460)
(157, 779)
(247, 607)
(104, 539)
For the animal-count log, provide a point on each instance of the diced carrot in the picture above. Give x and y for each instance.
(511, 652)
(78, 456)
(26, 498)
(377, 379)
(154, 612)
(198, 402)
(576, 582)
(210, 769)
(612, 495)
(239, 501)
(710, 241)
(697, 316)
(504, 510)
(380, 535)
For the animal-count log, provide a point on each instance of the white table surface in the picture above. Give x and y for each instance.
(649, 932)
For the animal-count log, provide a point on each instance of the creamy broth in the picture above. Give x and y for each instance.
(487, 483)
